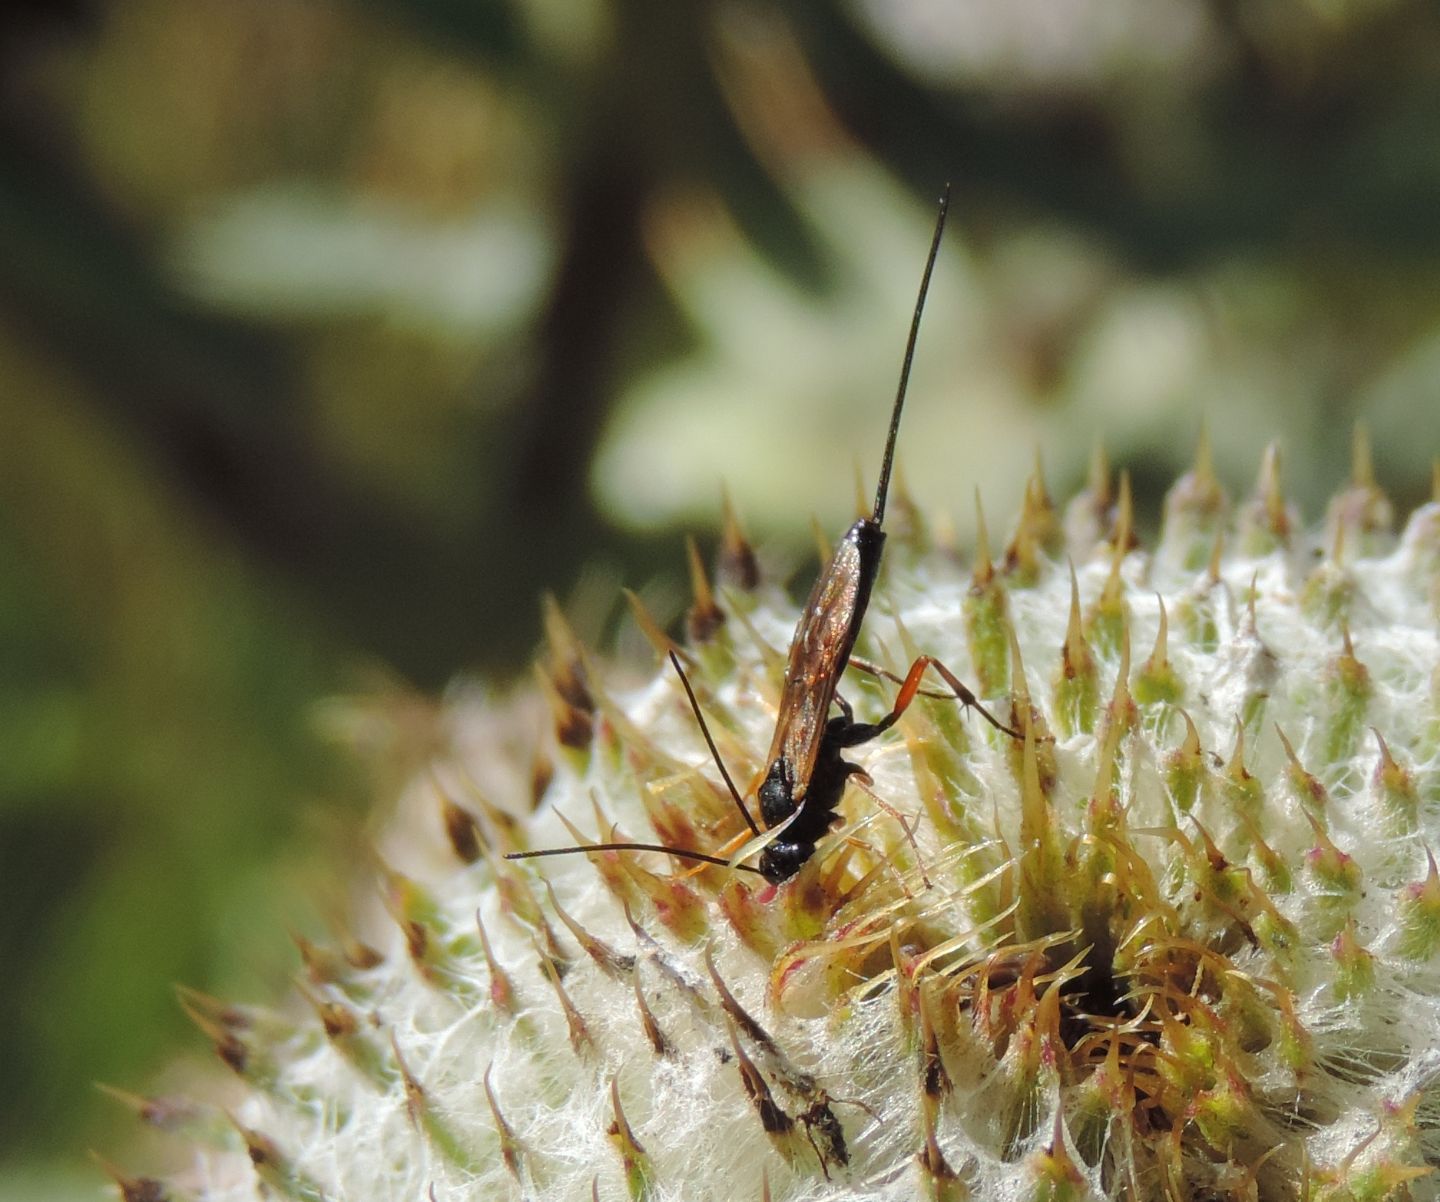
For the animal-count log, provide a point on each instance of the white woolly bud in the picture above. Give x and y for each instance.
(1182, 940)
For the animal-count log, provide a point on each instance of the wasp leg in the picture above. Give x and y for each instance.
(727, 849)
(872, 669)
(905, 829)
(862, 732)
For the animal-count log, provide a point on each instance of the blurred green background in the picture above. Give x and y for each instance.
(332, 333)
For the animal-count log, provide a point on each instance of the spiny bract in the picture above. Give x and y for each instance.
(1181, 942)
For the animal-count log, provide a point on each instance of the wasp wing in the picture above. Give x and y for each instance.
(821, 649)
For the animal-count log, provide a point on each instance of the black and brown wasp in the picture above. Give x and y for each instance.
(806, 769)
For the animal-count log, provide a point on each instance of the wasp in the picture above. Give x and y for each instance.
(806, 770)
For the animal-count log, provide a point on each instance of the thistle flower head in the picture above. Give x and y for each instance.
(1180, 940)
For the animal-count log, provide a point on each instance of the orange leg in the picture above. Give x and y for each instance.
(730, 847)
(862, 732)
(870, 669)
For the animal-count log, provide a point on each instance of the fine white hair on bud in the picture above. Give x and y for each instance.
(1180, 941)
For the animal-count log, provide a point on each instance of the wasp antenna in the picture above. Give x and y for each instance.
(878, 516)
(682, 852)
(710, 743)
